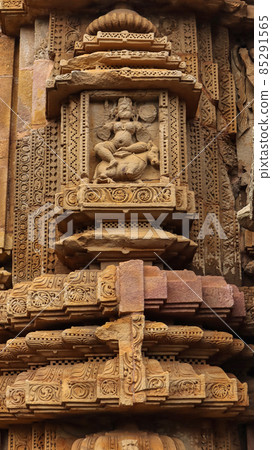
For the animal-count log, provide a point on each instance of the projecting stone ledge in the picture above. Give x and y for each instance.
(120, 290)
(62, 86)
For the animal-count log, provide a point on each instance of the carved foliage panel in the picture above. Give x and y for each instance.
(70, 134)
(36, 184)
(227, 102)
(188, 43)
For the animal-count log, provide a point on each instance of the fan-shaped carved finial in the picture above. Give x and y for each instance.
(119, 19)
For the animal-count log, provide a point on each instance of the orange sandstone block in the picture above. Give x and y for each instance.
(131, 286)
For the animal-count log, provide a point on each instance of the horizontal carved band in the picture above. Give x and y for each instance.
(129, 196)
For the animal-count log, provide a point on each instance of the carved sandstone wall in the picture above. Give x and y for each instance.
(120, 341)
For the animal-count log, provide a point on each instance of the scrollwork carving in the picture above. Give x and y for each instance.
(106, 290)
(43, 394)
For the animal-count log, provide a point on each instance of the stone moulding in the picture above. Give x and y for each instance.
(185, 86)
(90, 386)
(233, 14)
(185, 343)
(123, 196)
(49, 435)
(97, 293)
(121, 18)
(122, 57)
(125, 380)
(120, 40)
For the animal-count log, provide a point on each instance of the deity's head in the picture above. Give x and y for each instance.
(125, 108)
(130, 444)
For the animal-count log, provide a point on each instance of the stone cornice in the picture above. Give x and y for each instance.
(230, 13)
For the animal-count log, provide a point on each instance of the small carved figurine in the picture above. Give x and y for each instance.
(124, 157)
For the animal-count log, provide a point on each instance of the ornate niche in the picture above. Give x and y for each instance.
(123, 149)
(123, 136)
(126, 129)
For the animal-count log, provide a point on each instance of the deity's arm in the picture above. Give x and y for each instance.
(104, 131)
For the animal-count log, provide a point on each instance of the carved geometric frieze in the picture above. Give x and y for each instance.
(209, 78)
(227, 100)
(204, 41)
(208, 111)
(14, 6)
(64, 30)
(191, 436)
(104, 40)
(221, 52)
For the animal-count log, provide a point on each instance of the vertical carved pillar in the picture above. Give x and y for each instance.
(84, 158)
(163, 133)
(7, 47)
(129, 332)
(71, 125)
(36, 184)
(188, 43)
(227, 126)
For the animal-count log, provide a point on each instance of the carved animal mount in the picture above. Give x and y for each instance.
(128, 167)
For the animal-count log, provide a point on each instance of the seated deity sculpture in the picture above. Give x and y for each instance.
(124, 157)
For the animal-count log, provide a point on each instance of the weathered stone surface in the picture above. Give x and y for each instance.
(216, 293)
(7, 46)
(131, 286)
(183, 287)
(95, 293)
(134, 134)
(245, 217)
(174, 80)
(155, 284)
(41, 71)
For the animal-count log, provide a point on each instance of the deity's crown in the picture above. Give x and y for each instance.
(124, 101)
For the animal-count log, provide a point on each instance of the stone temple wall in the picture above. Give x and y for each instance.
(133, 338)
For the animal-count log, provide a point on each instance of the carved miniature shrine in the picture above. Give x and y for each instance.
(126, 226)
